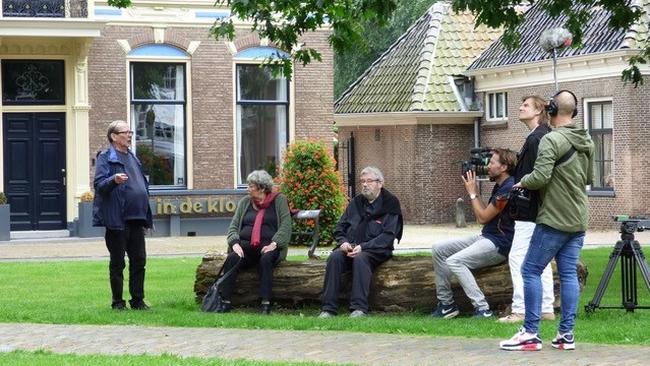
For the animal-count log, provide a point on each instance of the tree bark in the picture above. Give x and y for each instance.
(403, 283)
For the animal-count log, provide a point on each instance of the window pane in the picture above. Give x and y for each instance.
(500, 105)
(608, 177)
(607, 146)
(157, 81)
(598, 174)
(160, 142)
(608, 117)
(596, 116)
(257, 83)
(491, 102)
(33, 82)
(598, 144)
(261, 138)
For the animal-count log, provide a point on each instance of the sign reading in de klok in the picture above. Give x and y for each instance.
(178, 206)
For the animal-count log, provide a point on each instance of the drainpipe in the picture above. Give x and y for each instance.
(477, 132)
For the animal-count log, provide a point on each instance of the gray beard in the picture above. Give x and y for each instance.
(369, 195)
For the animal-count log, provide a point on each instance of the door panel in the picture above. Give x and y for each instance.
(34, 170)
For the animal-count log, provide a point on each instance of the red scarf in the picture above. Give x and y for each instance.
(259, 217)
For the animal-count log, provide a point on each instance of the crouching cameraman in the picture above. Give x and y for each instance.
(460, 256)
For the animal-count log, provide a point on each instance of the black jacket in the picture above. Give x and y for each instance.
(526, 162)
(375, 226)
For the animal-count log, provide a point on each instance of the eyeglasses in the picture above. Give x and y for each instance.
(368, 181)
(128, 132)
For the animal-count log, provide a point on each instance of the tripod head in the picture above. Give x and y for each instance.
(632, 224)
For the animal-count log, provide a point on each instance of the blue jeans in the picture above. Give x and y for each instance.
(548, 243)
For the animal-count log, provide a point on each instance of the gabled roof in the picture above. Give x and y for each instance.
(597, 37)
(413, 74)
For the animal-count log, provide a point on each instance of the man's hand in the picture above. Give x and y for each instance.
(355, 251)
(269, 248)
(518, 185)
(470, 182)
(238, 249)
(346, 247)
(120, 178)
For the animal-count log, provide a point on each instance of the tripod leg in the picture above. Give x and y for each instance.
(628, 278)
(607, 275)
(641, 261)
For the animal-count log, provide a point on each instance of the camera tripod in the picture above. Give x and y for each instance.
(629, 251)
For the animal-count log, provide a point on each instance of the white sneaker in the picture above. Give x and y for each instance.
(564, 341)
(512, 318)
(522, 341)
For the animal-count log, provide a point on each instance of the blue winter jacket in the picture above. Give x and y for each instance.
(108, 206)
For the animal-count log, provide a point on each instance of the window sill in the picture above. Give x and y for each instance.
(601, 193)
(494, 124)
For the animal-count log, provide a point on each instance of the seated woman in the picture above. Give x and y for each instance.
(259, 234)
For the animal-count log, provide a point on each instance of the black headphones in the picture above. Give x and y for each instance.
(552, 107)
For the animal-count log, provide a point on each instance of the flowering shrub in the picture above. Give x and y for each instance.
(310, 181)
(86, 197)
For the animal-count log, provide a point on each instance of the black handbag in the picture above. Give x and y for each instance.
(212, 299)
(523, 203)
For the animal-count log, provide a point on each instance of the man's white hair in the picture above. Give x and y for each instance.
(371, 170)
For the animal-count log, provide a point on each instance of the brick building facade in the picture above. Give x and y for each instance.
(204, 114)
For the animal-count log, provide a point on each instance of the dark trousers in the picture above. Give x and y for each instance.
(129, 241)
(252, 256)
(362, 267)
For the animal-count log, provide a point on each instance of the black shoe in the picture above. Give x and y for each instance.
(224, 307)
(266, 308)
(118, 305)
(139, 305)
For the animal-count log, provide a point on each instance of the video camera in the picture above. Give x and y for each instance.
(632, 224)
(478, 161)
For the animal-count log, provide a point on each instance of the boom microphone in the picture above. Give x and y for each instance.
(555, 38)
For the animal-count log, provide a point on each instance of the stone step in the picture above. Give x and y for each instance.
(39, 234)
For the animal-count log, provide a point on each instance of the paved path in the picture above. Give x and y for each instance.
(315, 346)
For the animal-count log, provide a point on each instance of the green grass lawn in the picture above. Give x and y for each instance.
(77, 292)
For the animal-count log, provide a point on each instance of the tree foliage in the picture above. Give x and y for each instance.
(310, 181)
(350, 64)
(284, 21)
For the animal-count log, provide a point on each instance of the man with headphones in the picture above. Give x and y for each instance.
(563, 169)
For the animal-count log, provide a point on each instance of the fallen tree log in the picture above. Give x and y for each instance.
(404, 283)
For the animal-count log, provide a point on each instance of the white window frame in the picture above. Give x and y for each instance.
(491, 99)
(290, 111)
(587, 116)
(186, 60)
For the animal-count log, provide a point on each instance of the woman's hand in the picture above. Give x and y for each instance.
(269, 248)
(238, 249)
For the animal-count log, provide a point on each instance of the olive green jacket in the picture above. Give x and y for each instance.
(281, 237)
(562, 188)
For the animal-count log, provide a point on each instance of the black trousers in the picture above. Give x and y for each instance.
(129, 241)
(252, 256)
(362, 267)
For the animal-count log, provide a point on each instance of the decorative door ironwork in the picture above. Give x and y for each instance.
(45, 8)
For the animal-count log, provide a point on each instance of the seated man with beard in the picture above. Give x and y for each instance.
(364, 235)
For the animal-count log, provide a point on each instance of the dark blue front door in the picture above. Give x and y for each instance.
(34, 170)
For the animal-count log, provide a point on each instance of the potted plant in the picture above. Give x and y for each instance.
(5, 218)
(85, 228)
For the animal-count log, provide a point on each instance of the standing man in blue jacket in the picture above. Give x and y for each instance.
(122, 206)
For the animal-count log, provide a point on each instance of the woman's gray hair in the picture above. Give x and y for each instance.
(112, 128)
(375, 172)
(261, 179)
